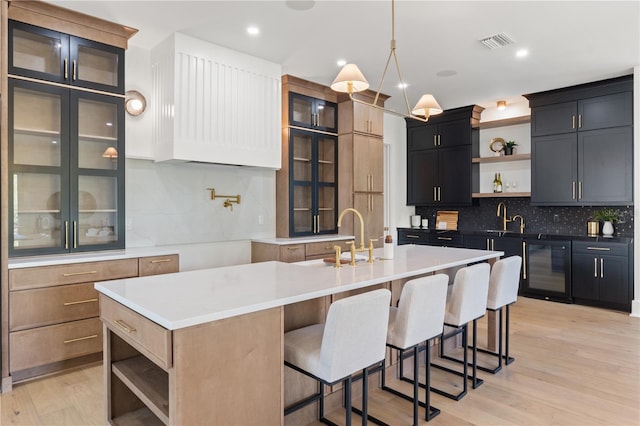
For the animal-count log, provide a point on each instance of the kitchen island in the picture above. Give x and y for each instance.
(206, 346)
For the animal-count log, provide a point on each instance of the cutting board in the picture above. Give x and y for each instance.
(449, 218)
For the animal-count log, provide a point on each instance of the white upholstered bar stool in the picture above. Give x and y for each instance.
(418, 318)
(503, 291)
(351, 340)
(467, 302)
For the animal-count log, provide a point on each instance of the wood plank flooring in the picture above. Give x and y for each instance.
(575, 365)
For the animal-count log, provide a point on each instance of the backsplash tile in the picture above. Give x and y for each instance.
(544, 220)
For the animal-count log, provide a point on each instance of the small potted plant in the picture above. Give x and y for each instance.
(508, 147)
(608, 217)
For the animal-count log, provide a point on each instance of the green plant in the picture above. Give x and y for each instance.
(607, 215)
(510, 144)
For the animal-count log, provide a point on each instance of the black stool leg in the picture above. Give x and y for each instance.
(476, 382)
(365, 388)
(347, 402)
(507, 359)
(416, 387)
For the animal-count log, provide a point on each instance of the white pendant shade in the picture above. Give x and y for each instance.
(350, 80)
(426, 106)
(110, 153)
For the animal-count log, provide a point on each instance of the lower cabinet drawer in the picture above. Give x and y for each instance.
(324, 247)
(156, 265)
(45, 345)
(146, 336)
(292, 253)
(46, 306)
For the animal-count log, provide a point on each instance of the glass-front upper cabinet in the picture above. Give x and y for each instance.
(313, 192)
(53, 56)
(66, 178)
(312, 113)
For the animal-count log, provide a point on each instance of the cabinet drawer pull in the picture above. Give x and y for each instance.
(161, 261)
(79, 302)
(93, 336)
(413, 236)
(123, 325)
(293, 248)
(445, 238)
(73, 274)
(599, 248)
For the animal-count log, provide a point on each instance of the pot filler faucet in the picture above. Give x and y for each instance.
(353, 243)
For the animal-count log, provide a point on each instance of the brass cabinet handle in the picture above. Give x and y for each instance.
(573, 190)
(439, 194)
(413, 236)
(93, 336)
(601, 267)
(78, 302)
(75, 234)
(66, 68)
(579, 121)
(435, 140)
(579, 190)
(66, 234)
(487, 240)
(161, 260)
(599, 248)
(573, 121)
(435, 194)
(524, 260)
(123, 325)
(73, 274)
(445, 238)
(75, 70)
(295, 248)
(595, 267)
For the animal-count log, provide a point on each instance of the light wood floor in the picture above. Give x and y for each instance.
(574, 365)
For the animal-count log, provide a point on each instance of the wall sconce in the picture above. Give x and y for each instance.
(110, 153)
(230, 199)
(502, 105)
(134, 102)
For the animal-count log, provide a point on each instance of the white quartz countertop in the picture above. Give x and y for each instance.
(190, 298)
(304, 240)
(94, 256)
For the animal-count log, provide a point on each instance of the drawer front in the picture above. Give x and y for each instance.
(600, 249)
(45, 276)
(45, 345)
(145, 335)
(292, 253)
(408, 236)
(324, 247)
(157, 265)
(52, 305)
(447, 239)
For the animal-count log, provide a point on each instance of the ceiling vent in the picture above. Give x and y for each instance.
(497, 41)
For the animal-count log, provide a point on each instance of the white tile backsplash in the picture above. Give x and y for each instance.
(168, 203)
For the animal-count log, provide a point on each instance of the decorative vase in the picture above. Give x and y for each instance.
(607, 228)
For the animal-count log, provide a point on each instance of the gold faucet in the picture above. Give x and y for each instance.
(505, 218)
(357, 213)
(521, 222)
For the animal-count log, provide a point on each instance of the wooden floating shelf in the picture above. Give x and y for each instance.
(500, 194)
(501, 158)
(506, 122)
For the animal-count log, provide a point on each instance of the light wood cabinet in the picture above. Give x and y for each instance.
(54, 310)
(294, 252)
(361, 118)
(192, 375)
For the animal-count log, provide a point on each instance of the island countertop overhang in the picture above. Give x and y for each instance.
(186, 299)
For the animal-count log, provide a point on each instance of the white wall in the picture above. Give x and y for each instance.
(635, 305)
(395, 134)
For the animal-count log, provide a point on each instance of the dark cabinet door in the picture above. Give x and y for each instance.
(511, 246)
(585, 273)
(422, 137)
(554, 119)
(601, 112)
(476, 242)
(454, 133)
(455, 175)
(312, 113)
(554, 170)
(614, 279)
(422, 177)
(605, 171)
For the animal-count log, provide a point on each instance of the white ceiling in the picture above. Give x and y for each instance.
(570, 42)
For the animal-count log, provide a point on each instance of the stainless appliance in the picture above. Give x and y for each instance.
(547, 270)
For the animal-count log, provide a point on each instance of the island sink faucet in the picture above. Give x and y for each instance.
(353, 249)
(357, 213)
(505, 218)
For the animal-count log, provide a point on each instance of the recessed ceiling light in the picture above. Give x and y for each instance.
(402, 85)
(341, 62)
(253, 30)
(521, 53)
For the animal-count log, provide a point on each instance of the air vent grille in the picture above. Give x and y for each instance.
(497, 41)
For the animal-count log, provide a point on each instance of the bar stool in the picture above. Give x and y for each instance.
(466, 302)
(352, 339)
(503, 291)
(418, 318)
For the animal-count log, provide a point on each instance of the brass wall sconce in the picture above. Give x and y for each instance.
(134, 102)
(230, 199)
